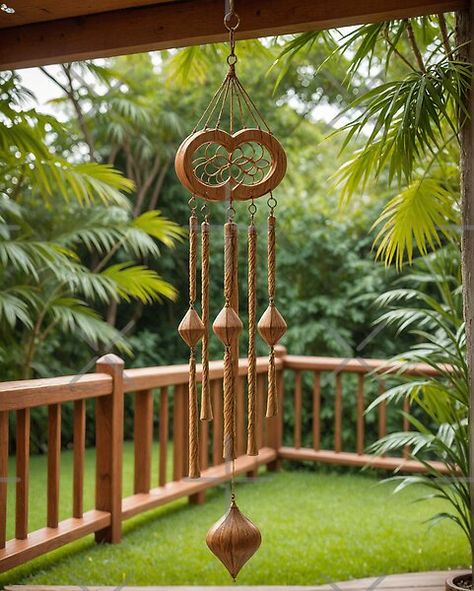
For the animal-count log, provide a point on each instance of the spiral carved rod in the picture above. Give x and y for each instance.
(228, 326)
(252, 330)
(206, 405)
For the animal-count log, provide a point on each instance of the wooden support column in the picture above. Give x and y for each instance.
(464, 32)
(109, 449)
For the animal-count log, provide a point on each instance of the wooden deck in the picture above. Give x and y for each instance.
(429, 581)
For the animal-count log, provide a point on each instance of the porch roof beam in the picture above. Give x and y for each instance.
(191, 22)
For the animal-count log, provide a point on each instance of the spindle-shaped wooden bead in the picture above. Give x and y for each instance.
(234, 539)
(227, 326)
(272, 325)
(191, 328)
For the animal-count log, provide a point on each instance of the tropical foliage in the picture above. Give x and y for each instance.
(69, 243)
(429, 306)
(402, 134)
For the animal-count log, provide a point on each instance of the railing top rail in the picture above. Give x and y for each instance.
(29, 393)
(171, 375)
(356, 365)
(20, 394)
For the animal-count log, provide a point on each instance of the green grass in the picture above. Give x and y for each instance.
(315, 526)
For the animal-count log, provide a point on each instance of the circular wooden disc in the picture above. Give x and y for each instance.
(240, 190)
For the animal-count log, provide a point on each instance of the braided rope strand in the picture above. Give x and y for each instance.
(272, 403)
(206, 404)
(229, 406)
(192, 258)
(193, 456)
(252, 356)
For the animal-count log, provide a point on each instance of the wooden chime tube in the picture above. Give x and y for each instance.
(228, 326)
(272, 402)
(206, 405)
(252, 449)
(230, 266)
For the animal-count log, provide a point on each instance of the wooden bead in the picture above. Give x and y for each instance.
(191, 328)
(227, 326)
(271, 325)
(234, 539)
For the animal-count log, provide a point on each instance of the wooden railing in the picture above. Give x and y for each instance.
(167, 386)
(345, 394)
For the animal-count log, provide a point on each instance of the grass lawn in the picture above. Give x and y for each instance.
(316, 527)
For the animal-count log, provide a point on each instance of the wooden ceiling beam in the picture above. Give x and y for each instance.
(191, 22)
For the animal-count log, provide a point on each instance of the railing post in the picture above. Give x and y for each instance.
(275, 424)
(109, 449)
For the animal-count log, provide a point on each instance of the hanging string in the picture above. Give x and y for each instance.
(206, 404)
(193, 455)
(252, 329)
(272, 402)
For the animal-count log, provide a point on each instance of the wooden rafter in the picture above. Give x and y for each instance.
(190, 22)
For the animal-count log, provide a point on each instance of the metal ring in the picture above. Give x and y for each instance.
(227, 21)
(231, 59)
(231, 212)
(192, 203)
(252, 209)
(272, 202)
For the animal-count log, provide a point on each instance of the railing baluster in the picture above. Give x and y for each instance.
(162, 469)
(54, 459)
(178, 432)
(143, 440)
(200, 497)
(217, 426)
(3, 476)
(79, 441)
(338, 415)
(298, 406)
(204, 444)
(185, 431)
(317, 411)
(22, 472)
(360, 435)
(261, 399)
(281, 406)
(240, 417)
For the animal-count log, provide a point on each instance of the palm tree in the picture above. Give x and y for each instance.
(54, 214)
(404, 132)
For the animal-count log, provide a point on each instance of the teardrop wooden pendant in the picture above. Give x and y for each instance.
(234, 539)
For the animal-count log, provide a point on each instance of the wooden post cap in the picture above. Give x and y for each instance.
(227, 326)
(272, 325)
(191, 328)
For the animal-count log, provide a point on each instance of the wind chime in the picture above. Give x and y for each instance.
(230, 156)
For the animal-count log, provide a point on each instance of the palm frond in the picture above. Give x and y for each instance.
(419, 215)
(139, 282)
(74, 316)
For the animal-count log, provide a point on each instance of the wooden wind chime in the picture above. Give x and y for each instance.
(231, 155)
